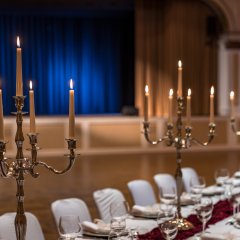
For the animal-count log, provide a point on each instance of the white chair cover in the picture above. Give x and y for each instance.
(70, 206)
(165, 183)
(188, 174)
(7, 227)
(142, 192)
(104, 198)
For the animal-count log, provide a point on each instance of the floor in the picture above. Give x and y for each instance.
(95, 172)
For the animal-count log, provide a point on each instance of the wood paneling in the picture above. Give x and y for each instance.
(167, 31)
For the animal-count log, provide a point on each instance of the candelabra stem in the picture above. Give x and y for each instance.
(20, 219)
(178, 177)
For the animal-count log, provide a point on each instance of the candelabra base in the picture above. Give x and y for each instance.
(183, 224)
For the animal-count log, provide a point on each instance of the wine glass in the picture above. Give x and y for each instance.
(120, 208)
(221, 176)
(69, 227)
(197, 184)
(204, 211)
(169, 230)
(119, 212)
(168, 197)
(166, 212)
(117, 227)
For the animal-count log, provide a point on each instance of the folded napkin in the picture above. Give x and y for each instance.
(97, 228)
(145, 211)
(186, 199)
(213, 236)
(237, 174)
(213, 190)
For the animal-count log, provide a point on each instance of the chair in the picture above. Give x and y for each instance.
(142, 192)
(188, 174)
(104, 198)
(70, 206)
(7, 227)
(165, 183)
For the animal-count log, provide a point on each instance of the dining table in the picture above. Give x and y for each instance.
(221, 226)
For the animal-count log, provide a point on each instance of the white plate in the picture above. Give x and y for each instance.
(91, 234)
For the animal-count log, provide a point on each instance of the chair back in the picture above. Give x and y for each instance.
(104, 198)
(165, 183)
(142, 192)
(188, 174)
(7, 227)
(70, 206)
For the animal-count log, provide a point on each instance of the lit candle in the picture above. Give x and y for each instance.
(179, 78)
(1, 118)
(212, 105)
(170, 116)
(188, 121)
(146, 104)
(232, 103)
(71, 112)
(19, 85)
(32, 109)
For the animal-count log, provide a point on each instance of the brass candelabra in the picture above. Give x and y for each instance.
(180, 142)
(21, 166)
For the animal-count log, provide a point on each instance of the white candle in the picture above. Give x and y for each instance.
(146, 103)
(188, 121)
(211, 120)
(32, 109)
(1, 118)
(19, 85)
(71, 111)
(232, 103)
(170, 116)
(179, 78)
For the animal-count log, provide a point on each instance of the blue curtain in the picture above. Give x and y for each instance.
(96, 52)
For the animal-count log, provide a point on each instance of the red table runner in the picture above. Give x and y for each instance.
(222, 210)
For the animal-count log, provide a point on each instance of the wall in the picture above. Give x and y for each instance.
(113, 135)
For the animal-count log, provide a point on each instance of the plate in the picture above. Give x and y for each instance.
(92, 234)
(145, 215)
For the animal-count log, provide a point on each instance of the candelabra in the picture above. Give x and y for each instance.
(180, 142)
(21, 166)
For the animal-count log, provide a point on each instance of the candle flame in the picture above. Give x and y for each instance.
(18, 42)
(71, 83)
(232, 95)
(212, 90)
(179, 64)
(30, 85)
(189, 92)
(146, 90)
(171, 92)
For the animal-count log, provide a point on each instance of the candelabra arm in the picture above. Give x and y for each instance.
(71, 156)
(168, 137)
(211, 135)
(34, 149)
(4, 167)
(233, 125)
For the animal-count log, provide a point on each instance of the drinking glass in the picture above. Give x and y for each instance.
(169, 230)
(197, 184)
(69, 227)
(204, 211)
